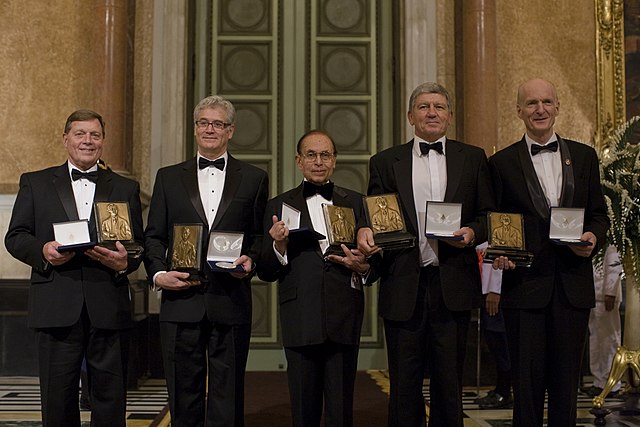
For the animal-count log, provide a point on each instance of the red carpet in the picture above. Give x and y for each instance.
(267, 401)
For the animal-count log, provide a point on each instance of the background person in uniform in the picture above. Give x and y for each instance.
(79, 302)
(604, 321)
(206, 326)
(495, 335)
(427, 292)
(321, 297)
(546, 306)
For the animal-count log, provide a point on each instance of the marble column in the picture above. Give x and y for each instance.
(111, 42)
(480, 70)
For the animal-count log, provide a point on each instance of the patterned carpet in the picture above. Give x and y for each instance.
(474, 416)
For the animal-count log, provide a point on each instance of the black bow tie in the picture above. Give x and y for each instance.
(536, 148)
(91, 176)
(325, 190)
(218, 163)
(424, 147)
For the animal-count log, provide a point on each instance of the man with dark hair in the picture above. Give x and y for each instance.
(546, 306)
(427, 291)
(321, 297)
(205, 325)
(79, 302)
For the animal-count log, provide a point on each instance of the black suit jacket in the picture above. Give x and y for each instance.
(176, 200)
(317, 301)
(518, 190)
(468, 183)
(57, 294)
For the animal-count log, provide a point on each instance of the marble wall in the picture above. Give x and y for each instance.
(552, 40)
(50, 65)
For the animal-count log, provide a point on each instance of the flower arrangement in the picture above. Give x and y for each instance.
(620, 177)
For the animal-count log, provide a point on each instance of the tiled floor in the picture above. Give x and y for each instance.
(20, 403)
(502, 417)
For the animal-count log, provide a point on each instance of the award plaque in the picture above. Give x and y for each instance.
(113, 223)
(442, 220)
(224, 248)
(186, 249)
(73, 236)
(341, 228)
(506, 238)
(385, 218)
(565, 227)
(291, 219)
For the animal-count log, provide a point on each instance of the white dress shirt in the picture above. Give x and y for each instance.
(210, 184)
(548, 166)
(83, 191)
(429, 180)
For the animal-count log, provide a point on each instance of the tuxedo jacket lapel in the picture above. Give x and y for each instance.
(62, 184)
(402, 169)
(455, 166)
(190, 182)
(568, 180)
(536, 193)
(104, 188)
(233, 178)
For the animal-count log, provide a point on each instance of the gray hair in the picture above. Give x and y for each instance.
(429, 87)
(215, 101)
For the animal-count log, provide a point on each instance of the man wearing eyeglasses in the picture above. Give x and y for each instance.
(427, 291)
(79, 303)
(205, 324)
(321, 297)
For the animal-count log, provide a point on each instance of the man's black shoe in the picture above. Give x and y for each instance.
(495, 400)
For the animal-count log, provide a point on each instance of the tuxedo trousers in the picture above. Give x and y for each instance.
(436, 336)
(60, 354)
(546, 346)
(324, 372)
(199, 353)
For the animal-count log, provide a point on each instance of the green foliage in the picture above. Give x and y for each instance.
(620, 177)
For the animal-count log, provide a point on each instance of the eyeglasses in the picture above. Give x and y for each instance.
(217, 124)
(311, 156)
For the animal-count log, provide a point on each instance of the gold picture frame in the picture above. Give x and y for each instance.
(610, 70)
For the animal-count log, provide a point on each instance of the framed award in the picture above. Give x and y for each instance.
(113, 224)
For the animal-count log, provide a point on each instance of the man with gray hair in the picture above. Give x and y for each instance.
(427, 291)
(205, 324)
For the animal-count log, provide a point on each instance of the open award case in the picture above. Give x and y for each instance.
(224, 248)
(506, 238)
(341, 228)
(186, 249)
(73, 236)
(566, 225)
(291, 218)
(442, 220)
(113, 223)
(384, 216)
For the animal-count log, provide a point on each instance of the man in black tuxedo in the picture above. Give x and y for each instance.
(427, 291)
(546, 306)
(79, 301)
(321, 297)
(205, 324)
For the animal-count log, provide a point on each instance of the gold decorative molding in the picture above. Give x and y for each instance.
(610, 80)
